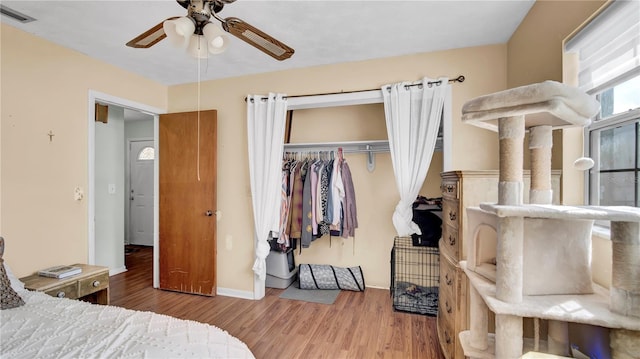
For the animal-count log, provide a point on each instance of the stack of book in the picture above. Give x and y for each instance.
(59, 272)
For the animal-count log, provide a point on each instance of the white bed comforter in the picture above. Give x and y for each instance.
(47, 327)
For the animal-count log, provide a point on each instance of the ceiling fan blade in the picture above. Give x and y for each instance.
(257, 38)
(149, 37)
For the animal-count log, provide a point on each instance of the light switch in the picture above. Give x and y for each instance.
(112, 188)
(228, 242)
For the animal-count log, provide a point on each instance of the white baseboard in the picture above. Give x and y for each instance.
(376, 287)
(227, 292)
(117, 271)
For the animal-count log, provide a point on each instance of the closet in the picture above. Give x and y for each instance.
(355, 122)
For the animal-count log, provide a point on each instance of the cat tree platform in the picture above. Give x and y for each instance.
(548, 103)
(608, 213)
(590, 309)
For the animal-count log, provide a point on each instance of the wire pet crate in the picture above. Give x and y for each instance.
(415, 277)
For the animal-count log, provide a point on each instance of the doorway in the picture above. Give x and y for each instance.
(97, 244)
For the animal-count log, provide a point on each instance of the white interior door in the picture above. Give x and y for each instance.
(141, 159)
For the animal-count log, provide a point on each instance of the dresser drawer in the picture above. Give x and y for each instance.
(450, 213)
(446, 337)
(447, 299)
(447, 308)
(450, 189)
(93, 284)
(67, 291)
(450, 242)
(448, 278)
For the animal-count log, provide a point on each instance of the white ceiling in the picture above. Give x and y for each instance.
(321, 32)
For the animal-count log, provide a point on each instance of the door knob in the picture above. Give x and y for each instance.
(208, 213)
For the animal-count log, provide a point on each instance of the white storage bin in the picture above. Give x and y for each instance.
(281, 269)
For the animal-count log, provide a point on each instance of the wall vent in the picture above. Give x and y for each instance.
(16, 15)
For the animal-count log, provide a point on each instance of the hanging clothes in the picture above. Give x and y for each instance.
(337, 193)
(283, 238)
(314, 196)
(317, 198)
(323, 224)
(295, 229)
(350, 222)
(306, 230)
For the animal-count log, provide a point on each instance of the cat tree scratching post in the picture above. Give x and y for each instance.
(510, 230)
(624, 294)
(540, 144)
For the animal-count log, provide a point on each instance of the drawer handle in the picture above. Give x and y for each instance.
(450, 188)
(452, 240)
(61, 295)
(96, 283)
(447, 337)
(452, 216)
(447, 306)
(447, 279)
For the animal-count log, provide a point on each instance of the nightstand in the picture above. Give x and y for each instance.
(91, 285)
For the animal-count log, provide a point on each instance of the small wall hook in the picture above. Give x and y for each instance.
(371, 159)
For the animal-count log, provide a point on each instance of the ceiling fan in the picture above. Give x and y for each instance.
(189, 30)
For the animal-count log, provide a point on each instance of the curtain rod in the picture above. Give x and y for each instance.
(460, 78)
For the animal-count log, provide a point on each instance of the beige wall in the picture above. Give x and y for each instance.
(485, 70)
(45, 87)
(534, 52)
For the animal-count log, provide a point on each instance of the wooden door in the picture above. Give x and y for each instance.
(187, 238)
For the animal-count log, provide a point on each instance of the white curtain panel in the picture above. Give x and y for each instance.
(413, 116)
(265, 129)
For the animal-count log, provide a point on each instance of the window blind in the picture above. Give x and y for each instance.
(608, 47)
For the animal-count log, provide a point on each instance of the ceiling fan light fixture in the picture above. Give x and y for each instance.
(201, 38)
(179, 31)
(217, 41)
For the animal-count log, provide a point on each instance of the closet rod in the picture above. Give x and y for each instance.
(368, 147)
(347, 146)
(460, 78)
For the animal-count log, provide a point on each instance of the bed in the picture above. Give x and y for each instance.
(48, 327)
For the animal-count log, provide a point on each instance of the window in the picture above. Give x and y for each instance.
(607, 55)
(147, 154)
(614, 145)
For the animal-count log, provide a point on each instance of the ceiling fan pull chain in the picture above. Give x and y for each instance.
(198, 155)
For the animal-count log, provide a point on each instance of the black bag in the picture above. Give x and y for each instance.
(430, 225)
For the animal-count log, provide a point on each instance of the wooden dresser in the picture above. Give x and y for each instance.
(462, 189)
(91, 285)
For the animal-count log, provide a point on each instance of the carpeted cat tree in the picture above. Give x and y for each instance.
(534, 260)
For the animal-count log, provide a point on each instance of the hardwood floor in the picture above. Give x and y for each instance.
(357, 325)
